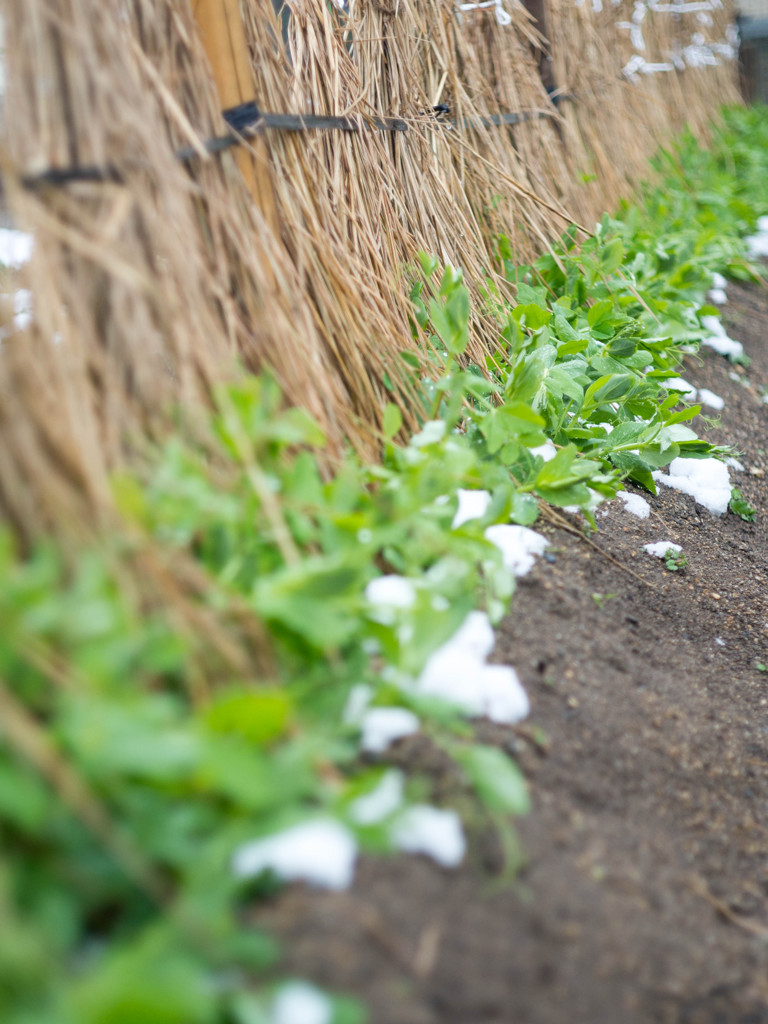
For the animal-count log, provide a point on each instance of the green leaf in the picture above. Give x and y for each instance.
(497, 779)
(608, 388)
(525, 509)
(564, 380)
(635, 468)
(296, 426)
(318, 599)
(411, 359)
(612, 256)
(741, 507)
(393, 420)
(565, 332)
(130, 498)
(599, 312)
(509, 422)
(428, 264)
(153, 982)
(258, 715)
(532, 315)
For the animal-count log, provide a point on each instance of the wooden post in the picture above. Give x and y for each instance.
(537, 8)
(223, 37)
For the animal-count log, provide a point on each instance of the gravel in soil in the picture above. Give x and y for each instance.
(644, 891)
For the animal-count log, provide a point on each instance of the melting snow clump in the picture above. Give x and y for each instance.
(518, 545)
(432, 831)
(718, 338)
(23, 310)
(15, 247)
(391, 592)
(382, 801)
(661, 547)
(360, 696)
(707, 397)
(321, 852)
(457, 673)
(475, 635)
(472, 505)
(717, 293)
(679, 384)
(706, 480)
(547, 451)
(757, 245)
(382, 726)
(298, 1002)
(635, 504)
(735, 465)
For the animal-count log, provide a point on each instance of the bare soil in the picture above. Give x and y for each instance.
(644, 891)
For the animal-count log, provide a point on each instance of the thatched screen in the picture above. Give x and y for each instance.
(161, 278)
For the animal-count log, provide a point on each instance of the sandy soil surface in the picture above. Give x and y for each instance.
(644, 891)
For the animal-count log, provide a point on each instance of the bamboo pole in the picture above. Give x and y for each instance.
(223, 37)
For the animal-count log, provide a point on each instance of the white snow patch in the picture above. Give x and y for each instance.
(472, 505)
(718, 296)
(321, 852)
(547, 451)
(455, 674)
(432, 432)
(660, 548)
(15, 247)
(595, 500)
(757, 244)
(719, 642)
(736, 466)
(519, 546)
(432, 831)
(298, 1002)
(679, 384)
(22, 312)
(718, 338)
(475, 635)
(706, 480)
(382, 801)
(391, 592)
(709, 398)
(382, 726)
(718, 281)
(360, 696)
(635, 504)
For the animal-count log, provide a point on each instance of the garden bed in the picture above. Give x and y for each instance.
(644, 895)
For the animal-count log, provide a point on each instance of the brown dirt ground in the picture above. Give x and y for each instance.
(644, 895)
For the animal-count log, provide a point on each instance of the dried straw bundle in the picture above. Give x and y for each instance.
(151, 287)
(155, 284)
(332, 193)
(620, 116)
(462, 186)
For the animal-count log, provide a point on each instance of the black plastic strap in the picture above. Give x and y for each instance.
(246, 120)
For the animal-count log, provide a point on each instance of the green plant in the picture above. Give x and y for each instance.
(741, 507)
(143, 736)
(675, 560)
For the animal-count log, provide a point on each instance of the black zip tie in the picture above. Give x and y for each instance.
(247, 120)
(243, 116)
